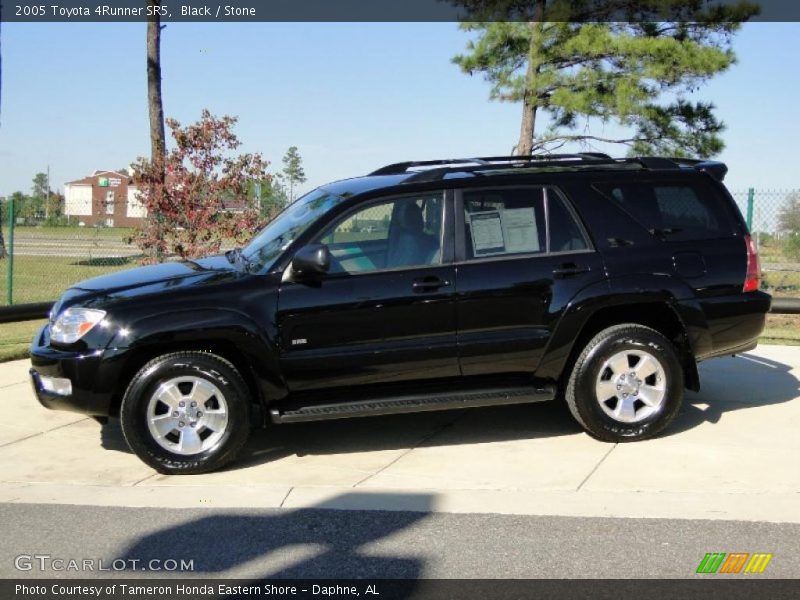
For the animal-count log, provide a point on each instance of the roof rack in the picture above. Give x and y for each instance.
(431, 170)
(484, 161)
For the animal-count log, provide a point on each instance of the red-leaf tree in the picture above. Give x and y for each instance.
(203, 201)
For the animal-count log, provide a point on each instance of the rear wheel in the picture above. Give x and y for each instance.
(186, 412)
(626, 385)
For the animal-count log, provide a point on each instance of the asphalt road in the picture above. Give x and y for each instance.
(316, 543)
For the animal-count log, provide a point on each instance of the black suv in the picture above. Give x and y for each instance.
(422, 286)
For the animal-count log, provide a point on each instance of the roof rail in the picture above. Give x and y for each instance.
(405, 167)
(431, 170)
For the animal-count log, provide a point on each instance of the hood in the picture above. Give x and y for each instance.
(152, 274)
(143, 283)
(147, 281)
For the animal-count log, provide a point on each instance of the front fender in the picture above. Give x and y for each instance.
(194, 328)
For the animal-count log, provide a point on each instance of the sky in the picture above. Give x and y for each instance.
(352, 97)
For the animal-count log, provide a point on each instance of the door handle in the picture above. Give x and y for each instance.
(619, 243)
(429, 284)
(569, 270)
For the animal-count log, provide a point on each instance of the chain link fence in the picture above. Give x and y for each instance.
(773, 217)
(44, 256)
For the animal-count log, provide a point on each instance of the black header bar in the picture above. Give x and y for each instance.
(101, 11)
(729, 588)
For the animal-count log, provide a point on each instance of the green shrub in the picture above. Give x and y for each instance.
(791, 247)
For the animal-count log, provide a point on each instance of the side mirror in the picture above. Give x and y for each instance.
(311, 260)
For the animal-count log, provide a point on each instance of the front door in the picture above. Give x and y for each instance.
(522, 256)
(385, 312)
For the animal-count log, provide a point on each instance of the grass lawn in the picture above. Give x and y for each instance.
(784, 284)
(15, 339)
(44, 278)
(782, 329)
(770, 253)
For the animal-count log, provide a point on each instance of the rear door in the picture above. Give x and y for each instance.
(694, 234)
(522, 254)
(696, 237)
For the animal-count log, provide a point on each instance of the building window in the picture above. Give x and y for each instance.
(109, 203)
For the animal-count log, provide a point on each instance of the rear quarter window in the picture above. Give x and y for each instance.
(675, 210)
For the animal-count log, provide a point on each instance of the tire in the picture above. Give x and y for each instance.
(610, 403)
(186, 413)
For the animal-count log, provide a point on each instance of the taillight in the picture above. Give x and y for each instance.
(753, 277)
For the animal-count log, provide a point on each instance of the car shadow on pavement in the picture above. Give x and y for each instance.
(733, 383)
(398, 432)
(307, 543)
(111, 437)
(728, 384)
(477, 425)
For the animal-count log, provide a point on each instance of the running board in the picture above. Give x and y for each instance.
(413, 403)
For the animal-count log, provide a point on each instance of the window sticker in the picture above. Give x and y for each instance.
(510, 231)
(519, 230)
(487, 233)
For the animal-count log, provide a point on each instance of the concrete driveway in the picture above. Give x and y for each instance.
(733, 453)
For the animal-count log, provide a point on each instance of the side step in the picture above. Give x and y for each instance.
(413, 403)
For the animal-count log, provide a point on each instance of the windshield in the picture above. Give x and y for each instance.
(264, 249)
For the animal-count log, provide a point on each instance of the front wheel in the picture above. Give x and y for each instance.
(186, 412)
(626, 385)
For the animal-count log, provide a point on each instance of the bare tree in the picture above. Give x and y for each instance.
(157, 138)
(158, 146)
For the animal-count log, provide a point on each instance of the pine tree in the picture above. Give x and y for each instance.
(624, 63)
(293, 170)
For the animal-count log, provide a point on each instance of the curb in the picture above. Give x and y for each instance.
(773, 507)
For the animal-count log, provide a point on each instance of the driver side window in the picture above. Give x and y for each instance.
(403, 232)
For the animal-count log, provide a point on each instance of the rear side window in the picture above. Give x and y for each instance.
(678, 211)
(504, 222)
(565, 234)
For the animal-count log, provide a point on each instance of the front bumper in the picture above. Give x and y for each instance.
(93, 375)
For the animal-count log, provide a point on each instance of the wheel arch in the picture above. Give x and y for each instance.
(220, 332)
(656, 315)
(581, 323)
(139, 356)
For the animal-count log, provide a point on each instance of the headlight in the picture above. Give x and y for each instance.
(74, 323)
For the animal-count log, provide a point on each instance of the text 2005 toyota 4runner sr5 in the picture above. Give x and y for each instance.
(422, 286)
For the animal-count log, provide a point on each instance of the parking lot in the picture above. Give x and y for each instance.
(732, 454)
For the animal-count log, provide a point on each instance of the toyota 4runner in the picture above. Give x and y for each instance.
(423, 286)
